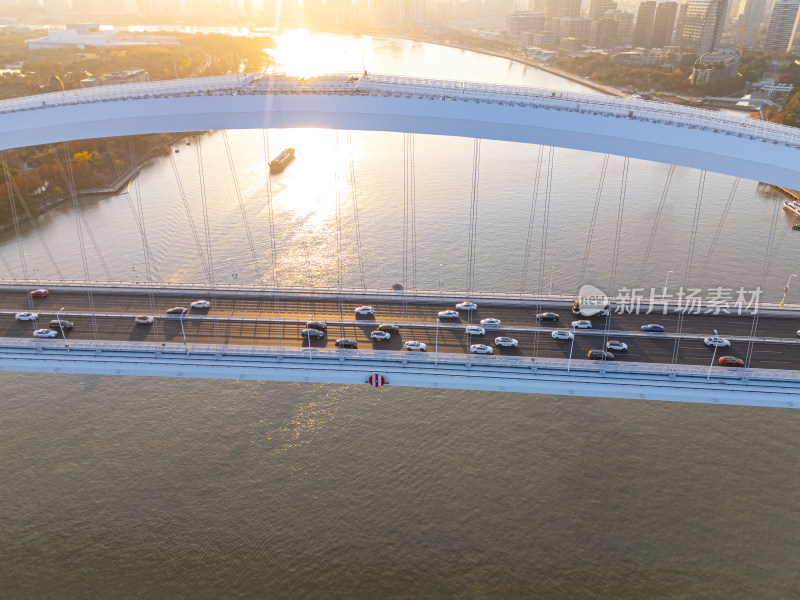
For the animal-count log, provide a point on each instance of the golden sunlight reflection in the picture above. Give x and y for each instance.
(301, 54)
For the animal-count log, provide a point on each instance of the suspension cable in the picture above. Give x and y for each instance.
(473, 218)
(23, 263)
(273, 242)
(189, 218)
(593, 220)
(238, 189)
(531, 218)
(355, 211)
(617, 243)
(718, 231)
(689, 260)
(543, 241)
(654, 229)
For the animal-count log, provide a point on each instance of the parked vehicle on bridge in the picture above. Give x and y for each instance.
(653, 328)
(717, 342)
(321, 325)
(506, 341)
(466, 306)
(40, 293)
(474, 330)
(61, 324)
(617, 346)
(731, 361)
(346, 343)
(26, 316)
(45, 333)
(177, 310)
(582, 324)
(600, 355)
(200, 304)
(380, 335)
(447, 314)
(312, 333)
(391, 328)
(490, 322)
(144, 320)
(560, 334)
(481, 349)
(547, 316)
(365, 310)
(414, 345)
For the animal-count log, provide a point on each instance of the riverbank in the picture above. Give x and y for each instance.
(605, 89)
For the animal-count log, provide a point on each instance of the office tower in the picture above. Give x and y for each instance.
(643, 30)
(702, 24)
(580, 29)
(549, 8)
(604, 32)
(749, 23)
(737, 6)
(597, 8)
(624, 21)
(569, 8)
(664, 24)
(782, 26)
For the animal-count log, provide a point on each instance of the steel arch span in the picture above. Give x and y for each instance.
(640, 129)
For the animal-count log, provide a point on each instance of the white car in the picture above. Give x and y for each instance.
(144, 320)
(447, 314)
(481, 349)
(490, 322)
(716, 341)
(26, 316)
(365, 310)
(466, 306)
(414, 345)
(45, 333)
(475, 330)
(559, 334)
(506, 341)
(200, 304)
(616, 346)
(582, 324)
(380, 335)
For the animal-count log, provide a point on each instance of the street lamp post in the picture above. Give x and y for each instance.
(571, 344)
(308, 335)
(786, 289)
(666, 284)
(713, 356)
(61, 327)
(436, 351)
(183, 331)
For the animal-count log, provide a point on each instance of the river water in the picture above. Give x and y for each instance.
(150, 488)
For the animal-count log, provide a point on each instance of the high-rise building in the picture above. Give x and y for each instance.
(569, 8)
(643, 30)
(701, 27)
(580, 29)
(664, 24)
(522, 23)
(624, 21)
(782, 26)
(549, 8)
(676, 35)
(737, 6)
(597, 8)
(604, 32)
(748, 26)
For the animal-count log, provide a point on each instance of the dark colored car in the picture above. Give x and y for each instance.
(178, 310)
(653, 327)
(547, 316)
(312, 333)
(346, 343)
(388, 327)
(600, 355)
(320, 325)
(731, 361)
(61, 324)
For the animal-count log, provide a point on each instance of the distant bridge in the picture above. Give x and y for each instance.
(636, 128)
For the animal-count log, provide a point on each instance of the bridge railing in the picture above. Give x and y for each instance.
(373, 361)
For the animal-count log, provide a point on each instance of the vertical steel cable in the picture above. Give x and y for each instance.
(543, 242)
(593, 220)
(339, 249)
(617, 243)
(238, 189)
(207, 230)
(718, 231)
(271, 226)
(531, 219)
(189, 218)
(473, 218)
(355, 209)
(17, 232)
(689, 259)
(654, 229)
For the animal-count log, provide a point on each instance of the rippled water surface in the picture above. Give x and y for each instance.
(163, 488)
